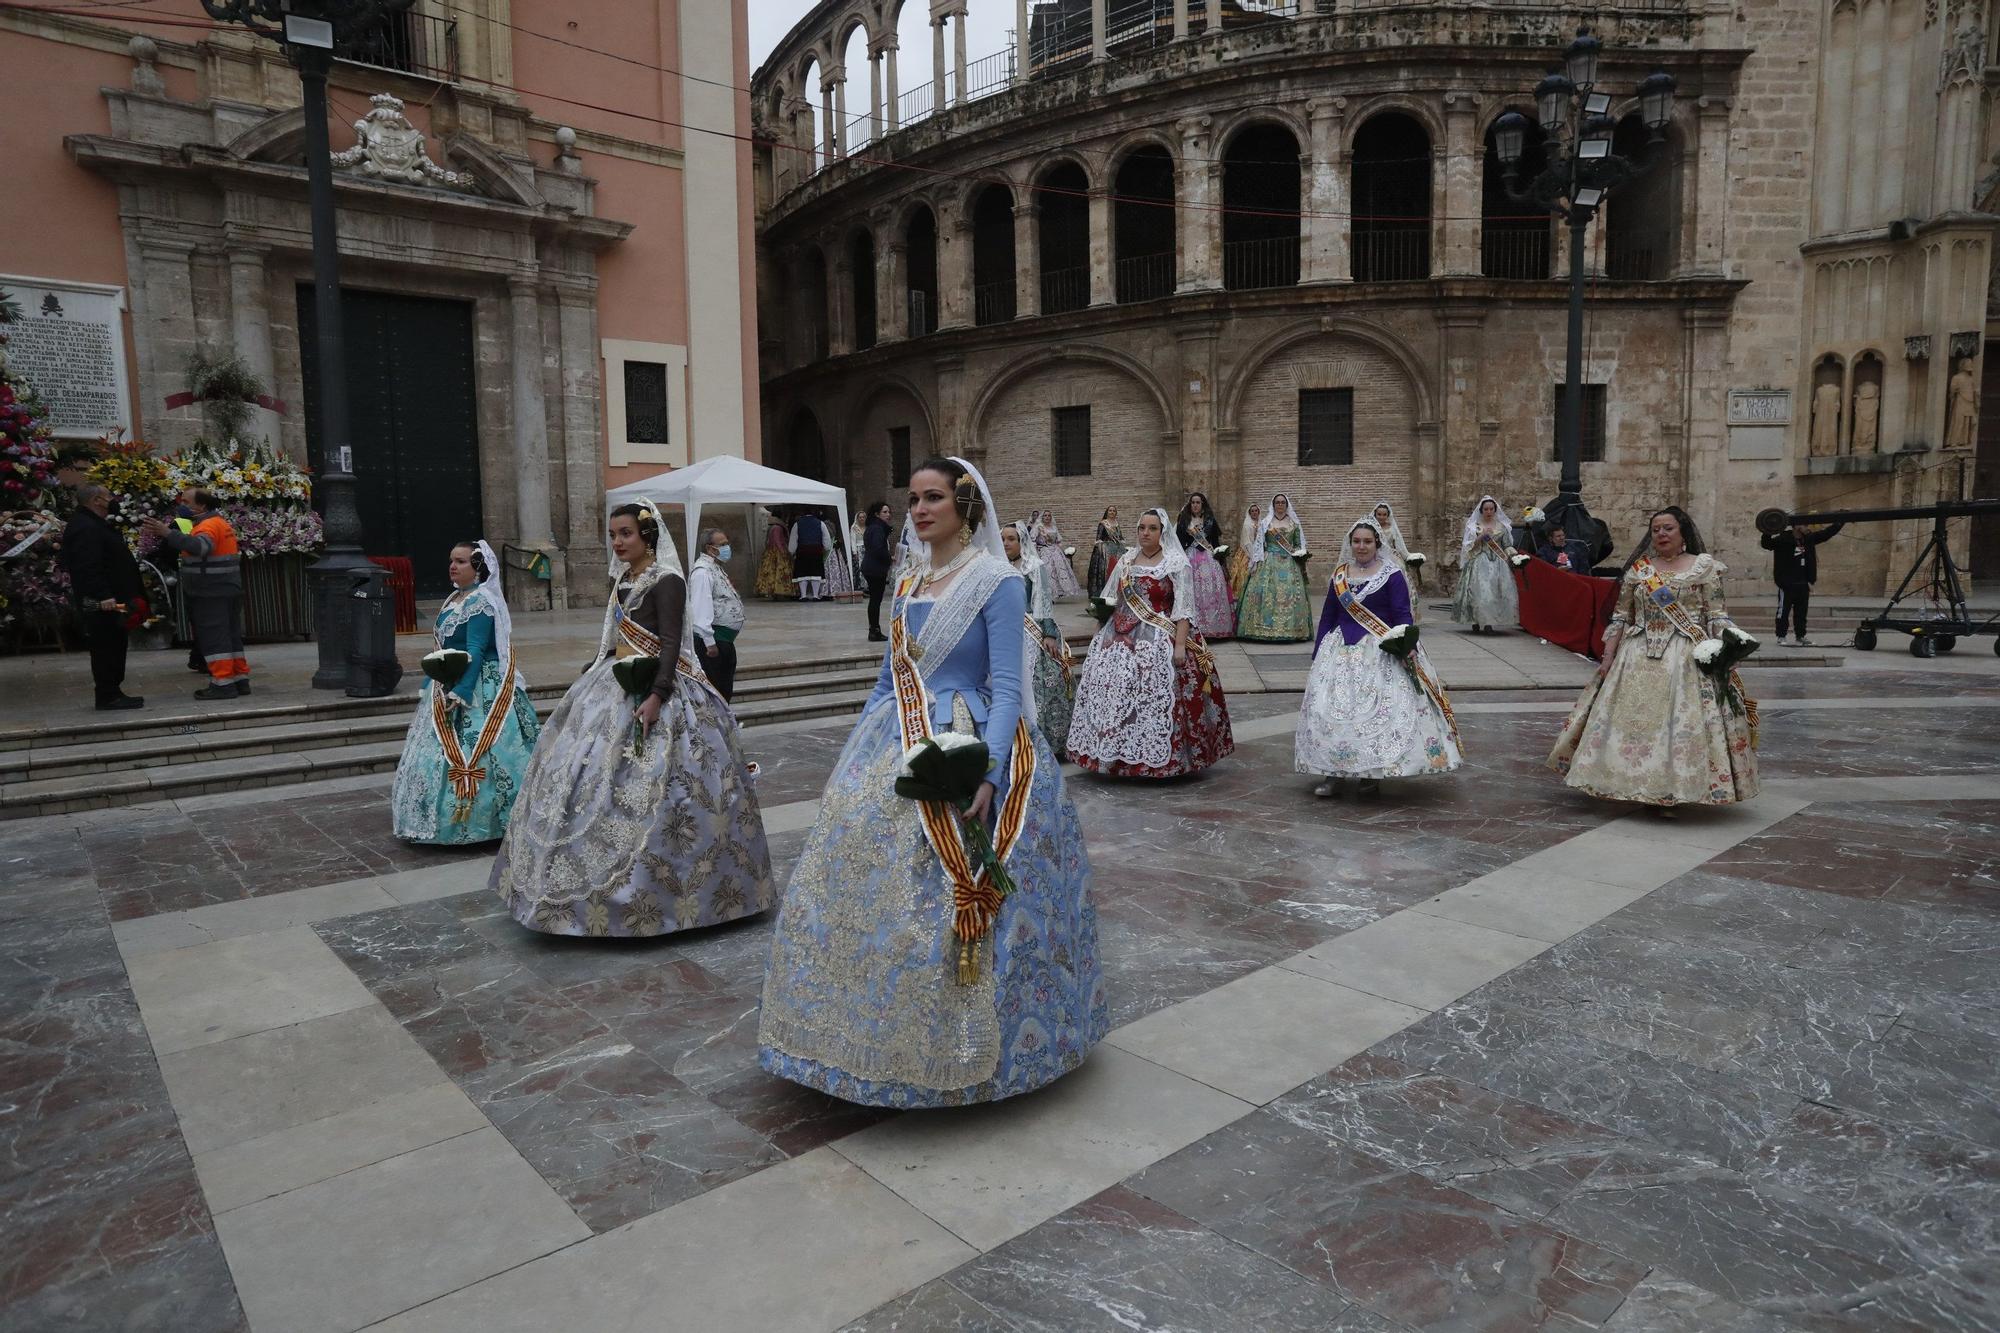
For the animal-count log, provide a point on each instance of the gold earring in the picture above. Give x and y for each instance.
(964, 533)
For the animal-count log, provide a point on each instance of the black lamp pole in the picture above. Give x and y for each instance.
(1580, 169)
(307, 30)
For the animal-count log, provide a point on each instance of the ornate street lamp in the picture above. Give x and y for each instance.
(1581, 168)
(308, 31)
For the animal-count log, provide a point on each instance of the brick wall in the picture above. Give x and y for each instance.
(1127, 462)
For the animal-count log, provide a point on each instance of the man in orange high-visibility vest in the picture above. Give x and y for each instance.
(212, 582)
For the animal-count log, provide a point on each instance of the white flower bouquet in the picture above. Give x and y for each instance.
(1069, 550)
(1517, 559)
(446, 665)
(1400, 641)
(1719, 656)
(1220, 551)
(1415, 559)
(950, 768)
(1532, 515)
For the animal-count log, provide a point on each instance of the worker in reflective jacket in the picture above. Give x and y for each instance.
(212, 582)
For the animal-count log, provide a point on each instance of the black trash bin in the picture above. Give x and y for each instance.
(372, 668)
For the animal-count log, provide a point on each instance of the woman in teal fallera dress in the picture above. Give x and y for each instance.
(486, 716)
(1275, 607)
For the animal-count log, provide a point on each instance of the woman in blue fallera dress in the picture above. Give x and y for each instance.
(893, 981)
(486, 718)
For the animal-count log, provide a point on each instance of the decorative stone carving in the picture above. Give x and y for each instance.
(1917, 347)
(145, 53)
(1965, 345)
(1964, 57)
(1961, 414)
(1825, 421)
(390, 148)
(1867, 418)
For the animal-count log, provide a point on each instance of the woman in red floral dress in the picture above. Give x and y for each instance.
(1150, 703)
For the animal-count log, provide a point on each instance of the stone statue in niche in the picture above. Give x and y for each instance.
(388, 147)
(1961, 410)
(1867, 417)
(1825, 440)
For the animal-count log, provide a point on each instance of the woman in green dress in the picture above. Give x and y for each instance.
(1275, 607)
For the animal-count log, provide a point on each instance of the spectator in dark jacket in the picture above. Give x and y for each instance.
(876, 562)
(104, 581)
(1795, 568)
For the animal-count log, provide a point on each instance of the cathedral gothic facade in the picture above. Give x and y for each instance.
(1239, 247)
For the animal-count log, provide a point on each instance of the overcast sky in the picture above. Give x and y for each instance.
(987, 25)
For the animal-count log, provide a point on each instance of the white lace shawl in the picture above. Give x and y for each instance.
(1173, 564)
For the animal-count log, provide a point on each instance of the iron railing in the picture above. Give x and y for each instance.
(1064, 290)
(420, 44)
(916, 103)
(1641, 258)
(1392, 256)
(993, 302)
(1514, 252)
(1270, 262)
(1150, 277)
(1056, 39)
(989, 74)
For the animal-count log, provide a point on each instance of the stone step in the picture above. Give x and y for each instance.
(265, 763)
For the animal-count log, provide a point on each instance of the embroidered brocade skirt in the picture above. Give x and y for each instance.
(1275, 608)
(603, 843)
(1487, 594)
(774, 574)
(1214, 614)
(1365, 716)
(1239, 571)
(1138, 715)
(1103, 555)
(839, 575)
(1062, 575)
(1655, 730)
(861, 999)
(423, 804)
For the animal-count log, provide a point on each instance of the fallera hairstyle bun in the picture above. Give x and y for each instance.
(649, 531)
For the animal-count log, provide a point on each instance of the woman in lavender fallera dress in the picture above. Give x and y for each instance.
(1200, 535)
(1367, 713)
(1049, 546)
(637, 820)
(894, 981)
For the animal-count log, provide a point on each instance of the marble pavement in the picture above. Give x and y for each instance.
(1480, 1054)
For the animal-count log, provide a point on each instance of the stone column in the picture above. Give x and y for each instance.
(829, 134)
(1461, 175)
(1461, 330)
(581, 505)
(1027, 258)
(1020, 42)
(1180, 20)
(840, 307)
(958, 55)
(530, 417)
(1201, 224)
(1097, 26)
(892, 109)
(892, 306)
(953, 433)
(874, 95)
(840, 111)
(937, 62)
(1197, 464)
(1103, 291)
(164, 332)
(1705, 440)
(954, 239)
(1214, 23)
(1327, 228)
(250, 326)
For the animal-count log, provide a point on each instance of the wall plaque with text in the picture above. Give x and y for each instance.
(1760, 407)
(70, 345)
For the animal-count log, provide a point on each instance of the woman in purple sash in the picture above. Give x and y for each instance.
(1373, 708)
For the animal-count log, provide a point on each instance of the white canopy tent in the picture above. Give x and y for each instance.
(728, 481)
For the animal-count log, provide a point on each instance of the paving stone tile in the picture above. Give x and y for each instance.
(1417, 959)
(213, 992)
(417, 1226)
(988, 1173)
(1404, 1247)
(807, 1245)
(245, 1088)
(1265, 1033)
(1664, 1303)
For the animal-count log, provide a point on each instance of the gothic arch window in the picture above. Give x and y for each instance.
(1392, 199)
(861, 276)
(1642, 218)
(920, 291)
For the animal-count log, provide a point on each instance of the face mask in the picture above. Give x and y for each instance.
(722, 552)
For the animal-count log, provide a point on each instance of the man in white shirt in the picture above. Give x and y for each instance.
(716, 612)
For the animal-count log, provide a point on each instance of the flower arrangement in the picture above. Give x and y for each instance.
(1400, 641)
(264, 531)
(1719, 656)
(27, 462)
(1517, 559)
(1415, 559)
(446, 665)
(235, 473)
(950, 768)
(1532, 515)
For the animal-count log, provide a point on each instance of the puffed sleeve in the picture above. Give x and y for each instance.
(1625, 613)
(1718, 608)
(480, 646)
(1002, 618)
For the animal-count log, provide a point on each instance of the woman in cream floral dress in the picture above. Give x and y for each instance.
(1654, 727)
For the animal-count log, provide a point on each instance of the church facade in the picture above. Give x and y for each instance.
(546, 251)
(1244, 248)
